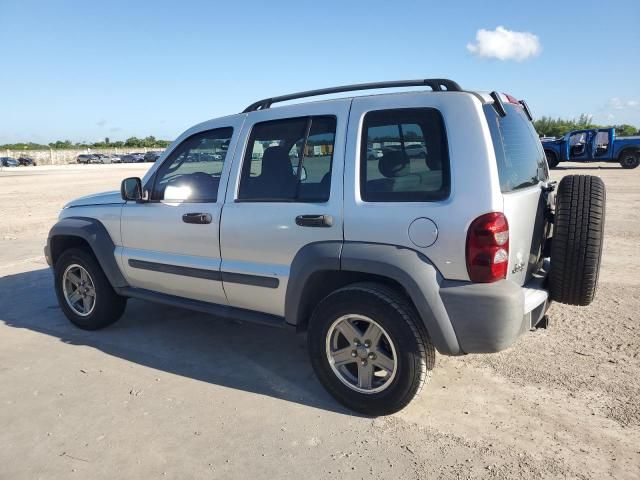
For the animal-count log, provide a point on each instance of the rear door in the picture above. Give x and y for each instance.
(602, 143)
(285, 192)
(522, 170)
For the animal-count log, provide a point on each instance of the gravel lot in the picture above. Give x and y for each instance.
(169, 393)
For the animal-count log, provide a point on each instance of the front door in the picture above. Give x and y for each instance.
(285, 193)
(170, 244)
(579, 146)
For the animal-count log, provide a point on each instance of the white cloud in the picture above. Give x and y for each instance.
(619, 104)
(505, 44)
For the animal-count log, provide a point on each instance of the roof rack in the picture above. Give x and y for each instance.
(436, 84)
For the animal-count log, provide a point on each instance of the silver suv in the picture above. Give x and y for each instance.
(442, 240)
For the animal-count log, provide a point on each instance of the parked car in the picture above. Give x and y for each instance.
(593, 145)
(100, 158)
(133, 158)
(373, 153)
(85, 158)
(9, 162)
(151, 156)
(416, 150)
(381, 263)
(27, 162)
(115, 158)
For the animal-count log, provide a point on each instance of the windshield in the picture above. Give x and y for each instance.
(519, 153)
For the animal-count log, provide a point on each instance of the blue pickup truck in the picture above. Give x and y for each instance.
(594, 145)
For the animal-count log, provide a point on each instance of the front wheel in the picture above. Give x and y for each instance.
(84, 292)
(369, 348)
(630, 159)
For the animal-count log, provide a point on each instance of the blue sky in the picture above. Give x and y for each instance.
(85, 70)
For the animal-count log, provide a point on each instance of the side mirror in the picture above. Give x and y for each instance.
(131, 189)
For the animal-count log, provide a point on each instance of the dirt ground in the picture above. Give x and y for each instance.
(167, 393)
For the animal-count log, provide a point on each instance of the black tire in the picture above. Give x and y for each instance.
(629, 159)
(393, 312)
(109, 306)
(578, 232)
(552, 159)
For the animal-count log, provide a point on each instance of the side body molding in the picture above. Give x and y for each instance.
(96, 235)
(417, 275)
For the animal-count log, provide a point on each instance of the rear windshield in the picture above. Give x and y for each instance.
(519, 153)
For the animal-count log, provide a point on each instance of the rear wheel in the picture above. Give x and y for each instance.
(552, 159)
(84, 292)
(369, 349)
(578, 232)
(630, 159)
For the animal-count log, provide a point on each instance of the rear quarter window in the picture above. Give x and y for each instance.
(404, 156)
(519, 154)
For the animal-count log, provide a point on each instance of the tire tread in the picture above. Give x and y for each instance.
(576, 248)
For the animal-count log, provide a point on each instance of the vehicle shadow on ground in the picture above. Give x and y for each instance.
(253, 358)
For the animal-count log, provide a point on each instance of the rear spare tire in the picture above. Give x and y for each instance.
(578, 232)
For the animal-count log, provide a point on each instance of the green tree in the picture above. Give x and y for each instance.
(626, 130)
(61, 144)
(149, 142)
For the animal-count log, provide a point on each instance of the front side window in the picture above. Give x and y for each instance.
(289, 160)
(192, 171)
(404, 156)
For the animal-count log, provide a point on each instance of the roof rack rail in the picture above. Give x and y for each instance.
(436, 84)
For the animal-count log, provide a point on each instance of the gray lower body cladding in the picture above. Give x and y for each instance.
(461, 317)
(95, 234)
(488, 317)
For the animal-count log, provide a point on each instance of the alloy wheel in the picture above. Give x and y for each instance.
(79, 290)
(361, 353)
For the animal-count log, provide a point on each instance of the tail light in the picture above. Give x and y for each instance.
(488, 248)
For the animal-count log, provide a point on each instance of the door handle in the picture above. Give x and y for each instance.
(200, 218)
(314, 220)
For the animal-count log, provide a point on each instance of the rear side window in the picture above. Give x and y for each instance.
(519, 153)
(289, 160)
(403, 156)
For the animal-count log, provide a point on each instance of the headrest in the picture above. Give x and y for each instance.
(272, 154)
(394, 163)
(275, 161)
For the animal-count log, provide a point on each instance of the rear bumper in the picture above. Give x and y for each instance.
(489, 317)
